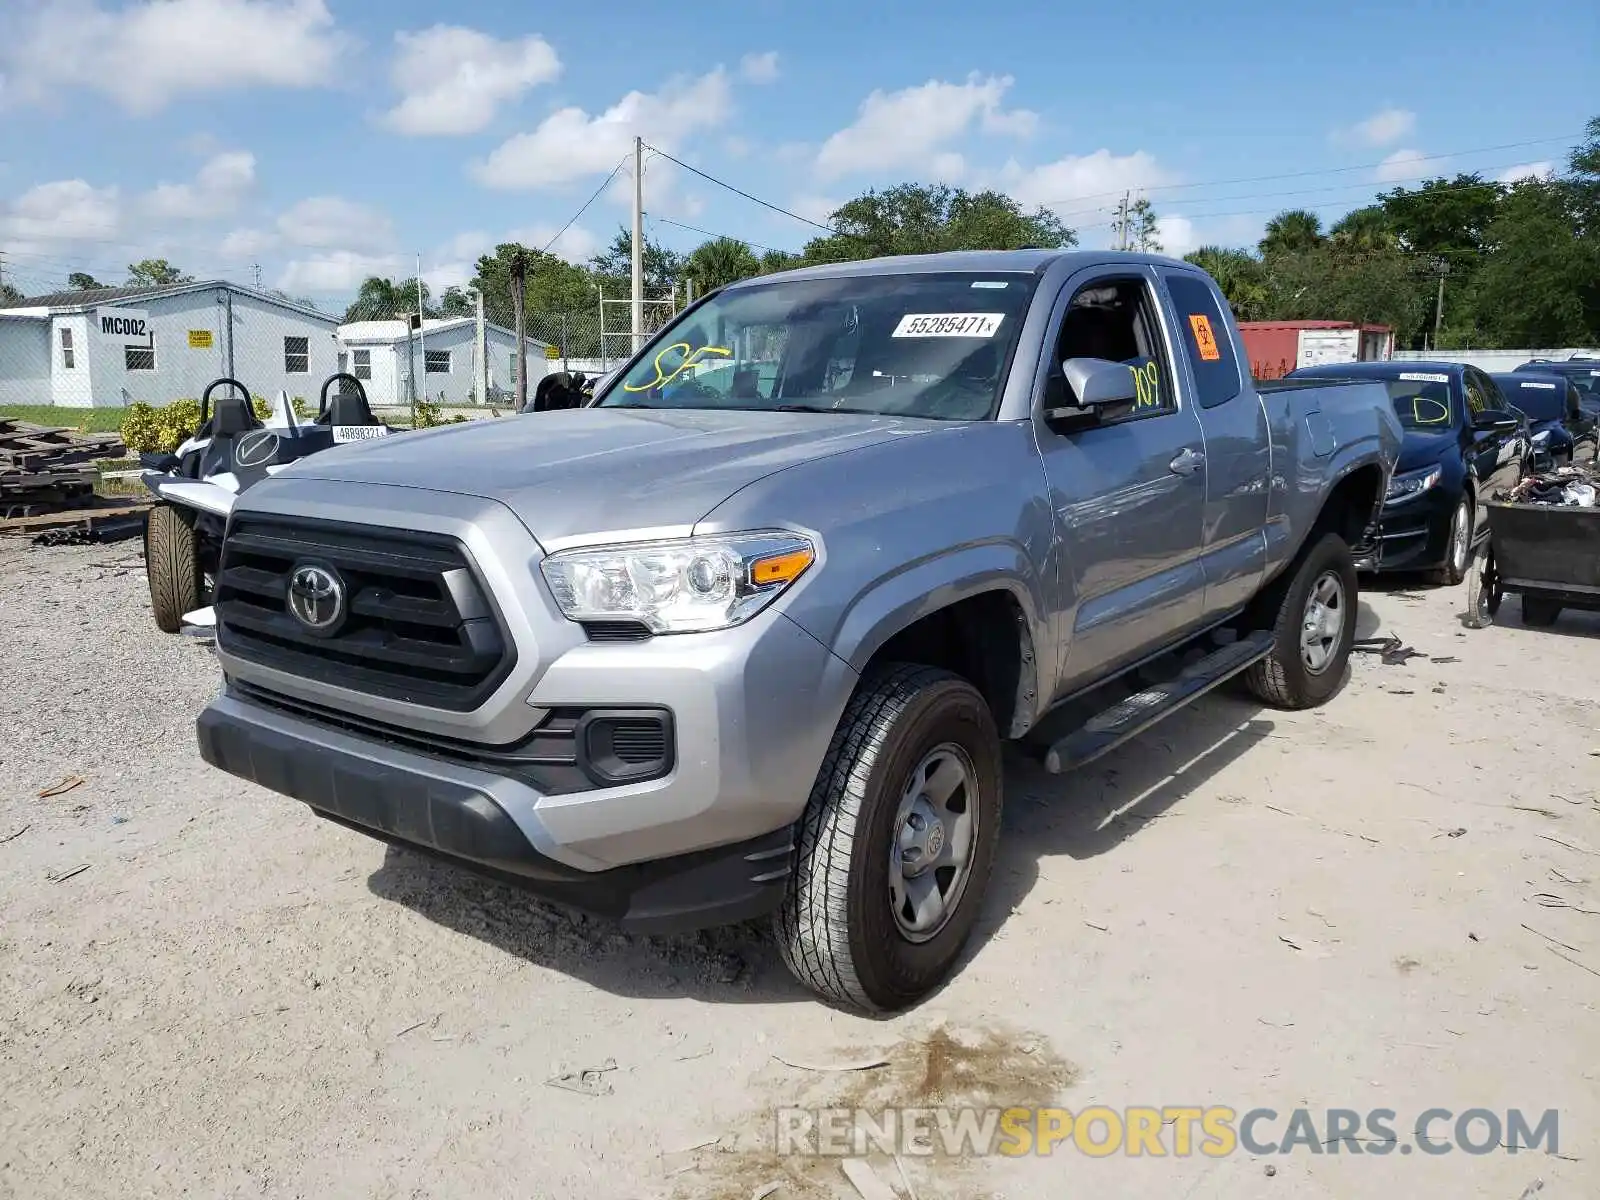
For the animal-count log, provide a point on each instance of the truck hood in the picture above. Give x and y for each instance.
(577, 473)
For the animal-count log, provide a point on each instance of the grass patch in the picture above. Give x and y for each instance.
(85, 420)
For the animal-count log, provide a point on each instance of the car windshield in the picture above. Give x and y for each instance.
(1421, 399)
(1541, 401)
(923, 345)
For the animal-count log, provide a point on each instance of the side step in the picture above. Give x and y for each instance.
(1131, 717)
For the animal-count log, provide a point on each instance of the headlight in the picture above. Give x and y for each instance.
(1412, 483)
(1542, 436)
(680, 586)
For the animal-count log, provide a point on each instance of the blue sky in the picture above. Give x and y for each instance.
(324, 140)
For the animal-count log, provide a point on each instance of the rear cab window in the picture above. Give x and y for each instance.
(1203, 330)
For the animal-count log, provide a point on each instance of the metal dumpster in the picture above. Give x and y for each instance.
(1549, 554)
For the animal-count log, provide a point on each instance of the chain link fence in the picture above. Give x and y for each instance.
(103, 351)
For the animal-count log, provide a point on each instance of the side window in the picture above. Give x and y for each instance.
(1478, 397)
(1115, 319)
(1203, 330)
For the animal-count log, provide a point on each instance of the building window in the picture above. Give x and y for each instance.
(140, 358)
(436, 362)
(363, 364)
(67, 359)
(296, 356)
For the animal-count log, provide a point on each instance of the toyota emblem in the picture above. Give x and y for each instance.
(316, 597)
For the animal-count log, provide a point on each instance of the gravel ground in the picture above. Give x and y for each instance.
(1391, 902)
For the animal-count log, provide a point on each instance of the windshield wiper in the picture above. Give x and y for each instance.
(831, 408)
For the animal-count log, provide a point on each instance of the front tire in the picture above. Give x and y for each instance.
(1314, 627)
(172, 566)
(1458, 547)
(897, 841)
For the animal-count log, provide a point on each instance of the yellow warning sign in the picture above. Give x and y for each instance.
(552, 352)
(1204, 338)
(199, 339)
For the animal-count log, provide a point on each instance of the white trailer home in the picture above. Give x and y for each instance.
(444, 355)
(111, 346)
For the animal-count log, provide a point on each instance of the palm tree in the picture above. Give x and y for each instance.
(1292, 232)
(384, 299)
(720, 262)
(1240, 276)
(1364, 229)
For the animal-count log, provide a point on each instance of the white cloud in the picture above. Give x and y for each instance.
(1176, 235)
(1076, 180)
(815, 208)
(1381, 129)
(948, 167)
(145, 55)
(1533, 170)
(334, 223)
(736, 147)
(570, 144)
(51, 216)
(1400, 166)
(452, 80)
(218, 188)
(909, 127)
(759, 68)
(244, 245)
(338, 271)
(576, 245)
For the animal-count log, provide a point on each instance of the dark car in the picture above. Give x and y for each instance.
(1462, 444)
(1582, 371)
(1562, 427)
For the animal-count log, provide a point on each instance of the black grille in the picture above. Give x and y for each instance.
(636, 742)
(616, 631)
(419, 626)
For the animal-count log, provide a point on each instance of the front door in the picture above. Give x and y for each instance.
(1128, 493)
(1497, 458)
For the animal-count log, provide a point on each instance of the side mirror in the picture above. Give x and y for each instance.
(1098, 384)
(1495, 420)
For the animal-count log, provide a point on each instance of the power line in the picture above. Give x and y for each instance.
(710, 234)
(740, 192)
(604, 184)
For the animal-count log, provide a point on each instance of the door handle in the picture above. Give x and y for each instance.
(1187, 463)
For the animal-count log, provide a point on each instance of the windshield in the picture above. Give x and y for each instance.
(922, 345)
(1421, 400)
(1541, 401)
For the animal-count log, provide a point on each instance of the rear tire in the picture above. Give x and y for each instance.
(1285, 678)
(840, 929)
(1540, 612)
(172, 565)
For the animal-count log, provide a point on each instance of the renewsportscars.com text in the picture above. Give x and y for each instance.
(1157, 1132)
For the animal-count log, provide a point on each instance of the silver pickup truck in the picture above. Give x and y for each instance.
(742, 637)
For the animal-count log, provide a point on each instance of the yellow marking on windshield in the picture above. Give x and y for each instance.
(1418, 404)
(690, 358)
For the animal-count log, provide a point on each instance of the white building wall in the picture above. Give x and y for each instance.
(258, 331)
(74, 388)
(1491, 361)
(24, 361)
(389, 385)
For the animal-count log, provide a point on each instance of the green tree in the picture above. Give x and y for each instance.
(78, 281)
(10, 295)
(1364, 229)
(383, 300)
(1142, 235)
(1540, 283)
(912, 218)
(1241, 277)
(663, 268)
(1294, 231)
(720, 262)
(155, 272)
(456, 303)
(779, 260)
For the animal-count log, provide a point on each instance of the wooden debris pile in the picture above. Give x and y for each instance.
(45, 469)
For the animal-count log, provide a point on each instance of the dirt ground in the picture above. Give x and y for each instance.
(1392, 902)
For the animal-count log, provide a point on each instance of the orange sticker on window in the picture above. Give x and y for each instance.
(1204, 338)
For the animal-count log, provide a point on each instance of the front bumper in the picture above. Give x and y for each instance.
(1414, 535)
(483, 821)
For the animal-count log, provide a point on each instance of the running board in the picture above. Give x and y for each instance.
(1130, 717)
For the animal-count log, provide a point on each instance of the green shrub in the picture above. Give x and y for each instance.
(159, 430)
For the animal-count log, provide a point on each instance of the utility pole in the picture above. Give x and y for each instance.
(255, 271)
(1438, 310)
(1122, 222)
(422, 335)
(601, 289)
(519, 298)
(482, 336)
(638, 243)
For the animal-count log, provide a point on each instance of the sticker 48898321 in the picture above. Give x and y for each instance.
(982, 325)
(359, 433)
